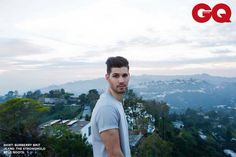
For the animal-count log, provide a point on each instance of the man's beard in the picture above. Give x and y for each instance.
(116, 90)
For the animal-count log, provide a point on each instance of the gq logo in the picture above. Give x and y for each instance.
(206, 13)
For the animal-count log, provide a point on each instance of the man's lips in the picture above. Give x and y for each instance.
(121, 86)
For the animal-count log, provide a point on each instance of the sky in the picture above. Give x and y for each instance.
(51, 42)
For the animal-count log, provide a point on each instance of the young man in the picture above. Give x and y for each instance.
(109, 125)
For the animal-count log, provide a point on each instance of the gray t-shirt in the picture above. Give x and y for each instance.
(109, 114)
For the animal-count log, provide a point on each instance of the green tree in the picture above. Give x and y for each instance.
(83, 99)
(157, 109)
(11, 95)
(33, 95)
(58, 93)
(185, 144)
(62, 142)
(134, 108)
(92, 97)
(19, 121)
(131, 100)
(87, 117)
(160, 111)
(154, 146)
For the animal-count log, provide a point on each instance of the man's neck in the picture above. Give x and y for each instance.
(116, 95)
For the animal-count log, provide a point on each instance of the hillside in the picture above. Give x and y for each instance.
(180, 91)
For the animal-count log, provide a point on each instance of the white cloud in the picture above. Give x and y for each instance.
(72, 39)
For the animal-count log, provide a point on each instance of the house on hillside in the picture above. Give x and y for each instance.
(53, 101)
(4, 152)
(49, 123)
(75, 125)
(86, 112)
(138, 118)
(72, 122)
(178, 124)
(134, 139)
(229, 153)
(202, 135)
(84, 128)
(233, 140)
(72, 100)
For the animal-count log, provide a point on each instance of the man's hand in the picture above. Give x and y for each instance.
(111, 141)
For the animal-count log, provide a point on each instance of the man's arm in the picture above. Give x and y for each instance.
(111, 141)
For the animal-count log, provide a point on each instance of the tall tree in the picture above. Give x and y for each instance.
(19, 120)
(154, 146)
(92, 97)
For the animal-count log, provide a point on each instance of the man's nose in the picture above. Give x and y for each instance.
(121, 79)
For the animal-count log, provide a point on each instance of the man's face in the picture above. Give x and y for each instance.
(118, 79)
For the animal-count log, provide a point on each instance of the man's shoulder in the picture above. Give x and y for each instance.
(105, 107)
(106, 101)
(105, 98)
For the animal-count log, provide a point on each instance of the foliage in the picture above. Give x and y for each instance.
(63, 112)
(157, 109)
(92, 97)
(135, 110)
(154, 146)
(59, 93)
(33, 95)
(19, 120)
(11, 95)
(62, 142)
(131, 100)
(218, 126)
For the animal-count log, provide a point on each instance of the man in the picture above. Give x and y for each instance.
(109, 125)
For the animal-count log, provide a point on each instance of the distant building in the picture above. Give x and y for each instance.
(76, 126)
(49, 123)
(200, 114)
(54, 101)
(64, 121)
(134, 139)
(151, 128)
(72, 100)
(72, 122)
(202, 135)
(83, 127)
(229, 152)
(178, 124)
(4, 152)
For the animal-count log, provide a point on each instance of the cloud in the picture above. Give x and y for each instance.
(214, 35)
(142, 41)
(11, 47)
(71, 40)
(221, 51)
(226, 41)
(2, 71)
(219, 66)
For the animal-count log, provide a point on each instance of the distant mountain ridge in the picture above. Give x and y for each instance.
(179, 91)
(79, 87)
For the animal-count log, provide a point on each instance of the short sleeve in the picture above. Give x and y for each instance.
(107, 118)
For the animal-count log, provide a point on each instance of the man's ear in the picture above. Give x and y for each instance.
(107, 76)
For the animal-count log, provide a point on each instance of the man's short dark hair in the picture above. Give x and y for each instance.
(116, 62)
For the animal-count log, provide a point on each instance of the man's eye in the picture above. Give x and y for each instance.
(125, 75)
(116, 76)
